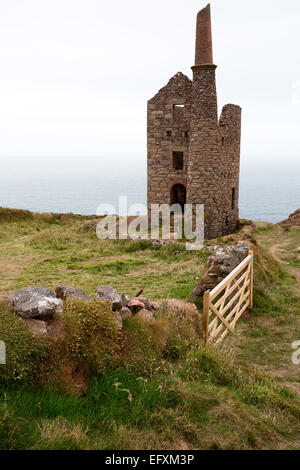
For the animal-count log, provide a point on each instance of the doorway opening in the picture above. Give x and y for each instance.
(178, 195)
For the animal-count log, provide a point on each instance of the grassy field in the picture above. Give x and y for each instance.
(49, 251)
(151, 386)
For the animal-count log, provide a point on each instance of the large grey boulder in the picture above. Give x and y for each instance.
(65, 292)
(110, 295)
(35, 302)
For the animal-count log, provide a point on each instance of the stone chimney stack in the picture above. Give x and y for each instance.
(204, 49)
(204, 72)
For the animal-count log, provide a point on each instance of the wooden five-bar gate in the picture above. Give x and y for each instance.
(224, 305)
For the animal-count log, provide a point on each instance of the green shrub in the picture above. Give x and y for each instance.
(91, 340)
(26, 356)
(182, 338)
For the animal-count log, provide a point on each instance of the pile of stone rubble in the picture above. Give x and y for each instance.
(222, 262)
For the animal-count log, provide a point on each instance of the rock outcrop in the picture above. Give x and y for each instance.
(219, 265)
(293, 220)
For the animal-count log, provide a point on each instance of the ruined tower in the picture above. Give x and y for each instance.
(194, 157)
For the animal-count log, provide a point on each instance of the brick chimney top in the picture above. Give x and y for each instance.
(204, 49)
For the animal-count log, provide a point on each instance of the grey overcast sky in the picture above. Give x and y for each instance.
(76, 74)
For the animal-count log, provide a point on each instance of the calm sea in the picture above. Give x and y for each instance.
(268, 192)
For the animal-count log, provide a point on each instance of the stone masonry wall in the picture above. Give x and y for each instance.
(229, 139)
(167, 126)
(204, 158)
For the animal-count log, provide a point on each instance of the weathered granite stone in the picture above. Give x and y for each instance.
(125, 313)
(146, 315)
(135, 305)
(125, 299)
(64, 292)
(110, 295)
(238, 254)
(33, 302)
(148, 304)
(155, 306)
(37, 327)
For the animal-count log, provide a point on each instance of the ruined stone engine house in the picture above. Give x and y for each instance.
(194, 157)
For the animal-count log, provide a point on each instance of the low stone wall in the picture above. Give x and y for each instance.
(220, 264)
(42, 309)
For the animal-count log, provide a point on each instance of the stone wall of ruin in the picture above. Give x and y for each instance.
(204, 155)
(211, 148)
(229, 138)
(167, 127)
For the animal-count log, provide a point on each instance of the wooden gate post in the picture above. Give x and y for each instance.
(206, 302)
(251, 279)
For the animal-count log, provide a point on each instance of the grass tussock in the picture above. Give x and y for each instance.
(274, 292)
(89, 344)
